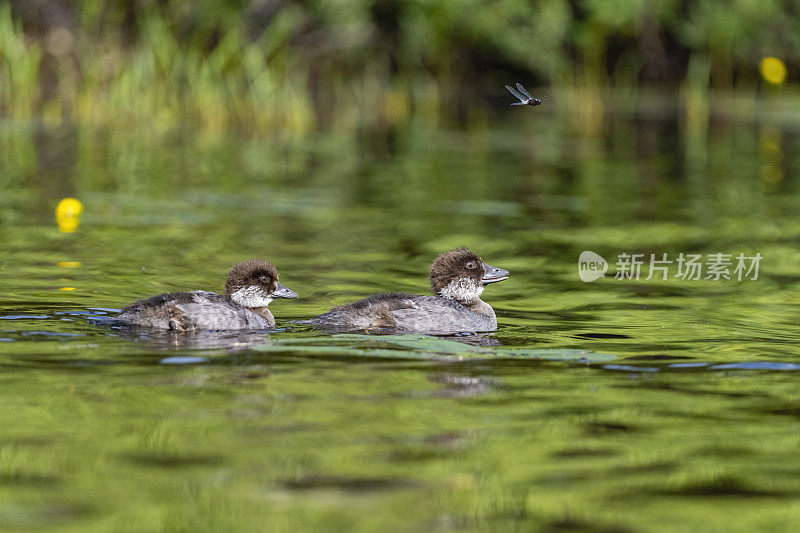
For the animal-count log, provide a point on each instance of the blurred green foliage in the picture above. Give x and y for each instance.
(302, 65)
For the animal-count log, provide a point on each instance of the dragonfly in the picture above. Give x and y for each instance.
(524, 96)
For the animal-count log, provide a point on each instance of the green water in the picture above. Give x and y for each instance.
(617, 405)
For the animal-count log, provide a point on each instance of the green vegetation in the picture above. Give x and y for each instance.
(297, 66)
(350, 142)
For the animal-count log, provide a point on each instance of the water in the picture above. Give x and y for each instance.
(616, 405)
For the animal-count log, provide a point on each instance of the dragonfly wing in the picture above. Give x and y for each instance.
(516, 93)
(518, 103)
(523, 91)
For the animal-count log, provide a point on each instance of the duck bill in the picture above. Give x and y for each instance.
(284, 292)
(493, 274)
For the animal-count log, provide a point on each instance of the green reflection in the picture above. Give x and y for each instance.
(300, 430)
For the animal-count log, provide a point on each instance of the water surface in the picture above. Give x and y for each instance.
(617, 405)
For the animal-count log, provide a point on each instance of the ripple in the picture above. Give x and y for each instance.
(354, 484)
(746, 365)
(184, 360)
(51, 334)
(632, 368)
(173, 460)
(757, 365)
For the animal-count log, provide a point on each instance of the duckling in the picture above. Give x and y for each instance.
(457, 278)
(249, 288)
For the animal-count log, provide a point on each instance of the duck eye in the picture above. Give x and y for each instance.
(471, 265)
(263, 279)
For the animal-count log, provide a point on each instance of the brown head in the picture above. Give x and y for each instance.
(461, 275)
(254, 283)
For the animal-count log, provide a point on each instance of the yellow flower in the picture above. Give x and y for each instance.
(773, 70)
(68, 214)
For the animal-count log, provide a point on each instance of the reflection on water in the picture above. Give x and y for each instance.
(615, 404)
(229, 341)
(68, 216)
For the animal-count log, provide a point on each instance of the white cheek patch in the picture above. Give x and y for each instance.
(250, 296)
(462, 290)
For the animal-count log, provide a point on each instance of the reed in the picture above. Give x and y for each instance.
(310, 66)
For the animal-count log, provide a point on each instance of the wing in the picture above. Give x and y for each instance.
(210, 315)
(425, 321)
(404, 312)
(431, 314)
(517, 94)
(519, 103)
(523, 91)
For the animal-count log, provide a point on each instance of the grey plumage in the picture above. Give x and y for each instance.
(196, 310)
(457, 278)
(406, 312)
(249, 288)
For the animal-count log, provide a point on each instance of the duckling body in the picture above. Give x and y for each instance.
(457, 278)
(250, 287)
(195, 310)
(408, 312)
